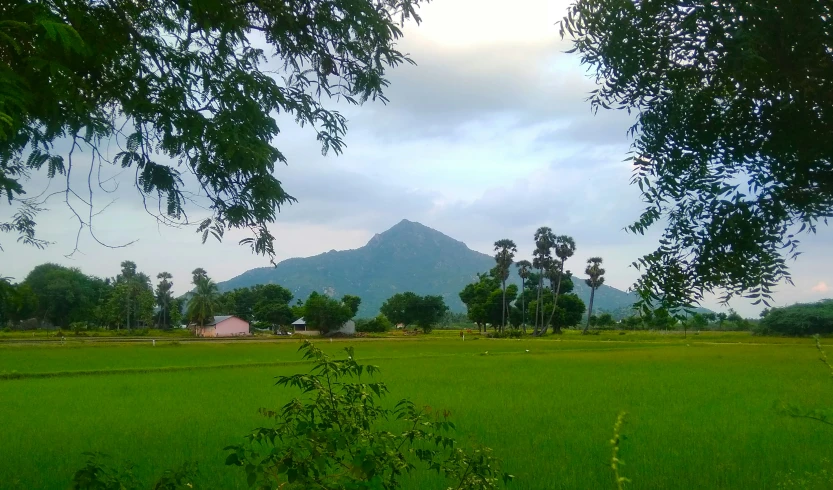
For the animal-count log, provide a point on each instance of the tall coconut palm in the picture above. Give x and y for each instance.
(203, 303)
(505, 252)
(564, 248)
(523, 271)
(595, 279)
(542, 257)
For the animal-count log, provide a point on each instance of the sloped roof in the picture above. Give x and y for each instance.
(218, 319)
(299, 321)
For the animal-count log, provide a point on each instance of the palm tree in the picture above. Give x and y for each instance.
(505, 251)
(596, 278)
(198, 274)
(523, 271)
(552, 274)
(203, 302)
(544, 239)
(164, 297)
(565, 247)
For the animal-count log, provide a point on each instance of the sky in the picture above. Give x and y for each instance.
(488, 137)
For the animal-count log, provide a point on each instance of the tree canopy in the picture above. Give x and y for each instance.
(189, 91)
(412, 309)
(326, 314)
(733, 137)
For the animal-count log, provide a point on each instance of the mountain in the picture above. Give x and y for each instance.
(408, 257)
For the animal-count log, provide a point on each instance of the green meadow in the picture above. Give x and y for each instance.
(701, 410)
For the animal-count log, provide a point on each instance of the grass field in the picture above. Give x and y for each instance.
(701, 410)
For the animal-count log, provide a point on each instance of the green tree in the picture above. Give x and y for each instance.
(505, 250)
(477, 297)
(542, 260)
(273, 293)
(175, 313)
(732, 152)
(555, 276)
(428, 311)
(201, 307)
(136, 286)
(662, 319)
(185, 82)
(571, 310)
(325, 314)
(800, 319)
(352, 302)
(17, 302)
(564, 247)
(63, 295)
(605, 320)
(697, 322)
(164, 298)
(376, 325)
(399, 308)
(274, 313)
(409, 308)
(524, 267)
(595, 279)
(6, 293)
(198, 274)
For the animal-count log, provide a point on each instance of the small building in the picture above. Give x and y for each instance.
(349, 328)
(225, 326)
(300, 324)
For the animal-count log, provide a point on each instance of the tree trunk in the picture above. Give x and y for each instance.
(538, 303)
(555, 299)
(590, 310)
(503, 317)
(523, 309)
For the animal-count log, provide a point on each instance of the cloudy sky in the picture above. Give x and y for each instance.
(488, 137)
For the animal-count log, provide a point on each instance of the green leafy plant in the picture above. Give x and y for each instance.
(97, 474)
(822, 415)
(379, 324)
(332, 437)
(615, 462)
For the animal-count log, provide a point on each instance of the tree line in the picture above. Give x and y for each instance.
(546, 287)
(60, 296)
(52, 295)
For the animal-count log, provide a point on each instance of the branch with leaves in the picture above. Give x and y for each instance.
(330, 437)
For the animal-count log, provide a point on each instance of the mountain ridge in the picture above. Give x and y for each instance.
(407, 257)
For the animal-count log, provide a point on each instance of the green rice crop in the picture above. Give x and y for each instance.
(700, 414)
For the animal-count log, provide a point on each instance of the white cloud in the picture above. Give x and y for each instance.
(821, 287)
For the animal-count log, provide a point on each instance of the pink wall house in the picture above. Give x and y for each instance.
(225, 326)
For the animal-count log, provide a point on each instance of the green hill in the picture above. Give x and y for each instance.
(408, 257)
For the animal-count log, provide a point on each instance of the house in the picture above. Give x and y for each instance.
(225, 326)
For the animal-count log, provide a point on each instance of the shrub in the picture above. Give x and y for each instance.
(78, 326)
(98, 475)
(506, 334)
(800, 319)
(333, 439)
(375, 325)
